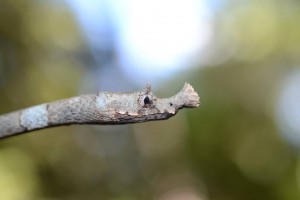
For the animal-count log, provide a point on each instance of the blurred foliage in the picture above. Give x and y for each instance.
(229, 148)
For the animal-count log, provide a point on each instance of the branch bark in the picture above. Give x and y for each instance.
(100, 108)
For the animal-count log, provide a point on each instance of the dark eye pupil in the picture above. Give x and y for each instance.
(146, 100)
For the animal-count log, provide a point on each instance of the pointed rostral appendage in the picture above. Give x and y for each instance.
(100, 108)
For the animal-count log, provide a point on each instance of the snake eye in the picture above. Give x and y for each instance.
(146, 100)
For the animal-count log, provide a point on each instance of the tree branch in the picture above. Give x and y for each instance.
(100, 108)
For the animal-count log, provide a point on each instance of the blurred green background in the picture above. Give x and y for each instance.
(236, 145)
